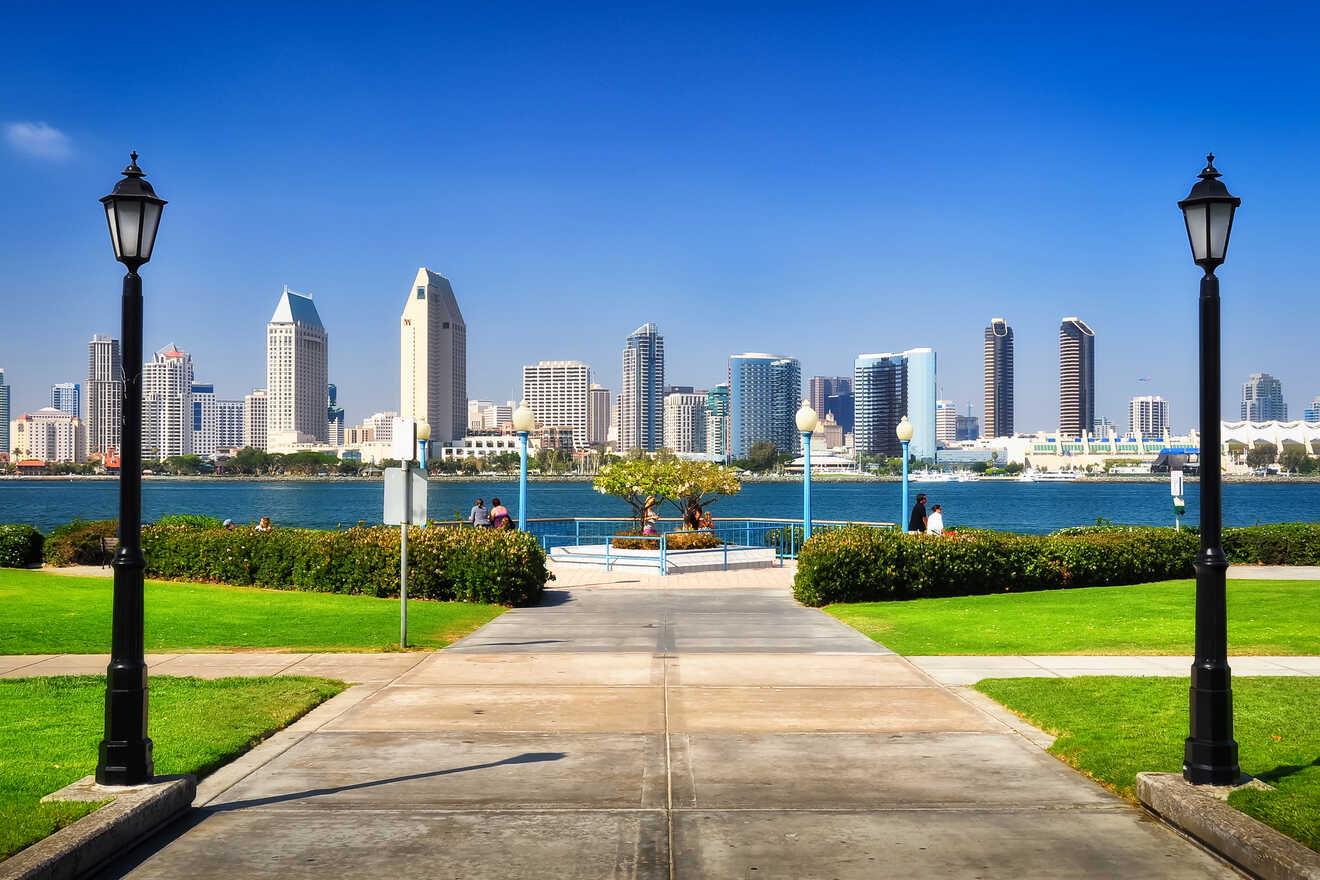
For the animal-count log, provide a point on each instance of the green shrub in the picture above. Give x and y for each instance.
(859, 563)
(505, 567)
(79, 542)
(20, 546)
(1276, 544)
(692, 541)
(190, 520)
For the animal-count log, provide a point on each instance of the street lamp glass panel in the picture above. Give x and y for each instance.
(128, 220)
(1221, 221)
(150, 223)
(1197, 233)
(114, 228)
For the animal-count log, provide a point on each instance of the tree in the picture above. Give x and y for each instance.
(699, 484)
(471, 465)
(1293, 459)
(637, 481)
(1261, 454)
(762, 456)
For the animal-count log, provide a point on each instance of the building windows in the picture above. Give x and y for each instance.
(421, 293)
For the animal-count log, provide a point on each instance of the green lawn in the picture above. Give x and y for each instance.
(42, 613)
(1264, 618)
(1113, 728)
(50, 729)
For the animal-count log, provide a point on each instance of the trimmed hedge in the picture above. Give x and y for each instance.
(863, 564)
(503, 567)
(79, 542)
(673, 541)
(20, 546)
(1277, 544)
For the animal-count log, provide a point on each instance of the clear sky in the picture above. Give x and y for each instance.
(769, 177)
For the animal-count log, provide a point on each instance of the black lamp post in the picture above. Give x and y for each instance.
(133, 212)
(1211, 754)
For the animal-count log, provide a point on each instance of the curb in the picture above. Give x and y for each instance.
(78, 849)
(1203, 812)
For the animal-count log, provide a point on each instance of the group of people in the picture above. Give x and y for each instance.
(496, 517)
(921, 523)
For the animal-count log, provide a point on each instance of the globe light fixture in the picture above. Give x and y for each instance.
(806, 418)
(806, 424)
(423, 437)
(904, 432)
(523, 422)
(523, 418)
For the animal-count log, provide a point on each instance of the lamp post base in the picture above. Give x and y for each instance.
(125, 761)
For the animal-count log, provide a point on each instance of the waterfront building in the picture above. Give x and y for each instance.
(888, 386)
(105, 394)
(999, 378)
(598, 415)
(1076, 376)
(842, 407)
(641, 404)
(48, 434)
(229, 424)
(946, 422)
(1103, 427)
(67, 398)
(1312, 412)
(335, 416)
(4, 413)
(254, 419)
(1148, 416)
(685, 421)
(819, 388)
(765, 390)
(433, 357)
(297, 364)
(1262, 399)
(717, 422)
(558, 393)
(167, 381)
(205, 421)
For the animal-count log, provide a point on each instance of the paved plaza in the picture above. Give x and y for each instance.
(655, 733)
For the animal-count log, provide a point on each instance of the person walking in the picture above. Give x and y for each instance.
(499, 515)
(917, 521)
(479, 515)
(935, 522)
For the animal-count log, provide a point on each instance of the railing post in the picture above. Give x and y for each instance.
(577, 532)
(664, 547)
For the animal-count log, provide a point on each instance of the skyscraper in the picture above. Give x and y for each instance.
(717, 422)
(946, 422)
(888, 386)
(641, 404)
(1310, 414)
(254, 419)
(819, 388)
(229, 424)
(921, 401)
(67, 398)
(1262, 399)
(598, 415)
(765, 390)
(685, 421)
(167, 381)
(335, 416)
(204, 417)
(105, 394)
(999, 379)
(1076, 377)
(1148, 416)
(558, 393)
(433, 357)
(297, 362)
(4, 413)
(843, 407)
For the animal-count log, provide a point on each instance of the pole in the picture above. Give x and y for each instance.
(903, 517)
(806, 487)
(403, 554)
(1210, 756)
(522, 480)
(125, 752)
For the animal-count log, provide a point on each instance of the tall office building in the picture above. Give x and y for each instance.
(1076, 377)
(967, 427)
(558, 393)
(205, 420)
(67, 398)
(921, 401)
(946, 422)
(1148, 416)
(598, 415)
(1310, 414)
(4, 413)
(229, 424)
(717, 422)
(685, 421)
(998, 379)
(765, 391)
(433, 357)
(843, 407)
(297, 363)
(1262, 399)
(335, 416)
(887, 387)
(254, 419)
(820, 388)
(641, 404)
(167, 381)
(48, 434)
(105, 394)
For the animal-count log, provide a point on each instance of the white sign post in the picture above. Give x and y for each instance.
(1176, 490)
(405, 503)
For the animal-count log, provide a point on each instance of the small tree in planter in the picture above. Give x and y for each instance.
(637, 479)
(699, 484)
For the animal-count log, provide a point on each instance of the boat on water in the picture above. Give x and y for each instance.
(930, 477)
(1056, 477)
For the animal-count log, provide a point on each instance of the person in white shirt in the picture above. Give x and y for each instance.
(935, 522)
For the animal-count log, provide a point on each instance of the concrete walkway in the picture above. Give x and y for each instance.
(659, 734)
(958, 671)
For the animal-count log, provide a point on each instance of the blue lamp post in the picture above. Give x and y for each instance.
(523, 422)
(423, 438)
(904, 432)
(806, 423)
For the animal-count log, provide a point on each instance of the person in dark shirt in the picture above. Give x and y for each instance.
(917, 522)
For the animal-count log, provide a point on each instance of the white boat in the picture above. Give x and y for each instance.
(1056, 477)
(1026, 477)
(930, 477)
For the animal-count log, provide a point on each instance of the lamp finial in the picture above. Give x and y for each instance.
(1209, 172)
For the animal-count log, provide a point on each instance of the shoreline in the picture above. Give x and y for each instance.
(580, 478)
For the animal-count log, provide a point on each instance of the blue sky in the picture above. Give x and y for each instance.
(807, 180)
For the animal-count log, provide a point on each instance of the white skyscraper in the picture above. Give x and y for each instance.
(433, 358)
(1148, 416)
(297, 366)
(558, 393)
(167, 382)
(254, 419)
(204, 420)
(685, 421)
(641, 405)
(105, 394)
(946, 422)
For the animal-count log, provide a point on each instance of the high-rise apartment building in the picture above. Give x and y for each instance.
(641, 404)
(297, 364)
(433, 357)
(1262, 399)
(765, 391)
(4, 413)
(105, 394)
(1148, 416)
(598, 415)
(1076, 377)
(685, 421)
(204, 416)
(167, 382)
(888, 386)
(254, 419)
(67, 398)
(717, 422)
(946, 422)
(819, 388)
(558, 393)
(998, 379)
(48, 434)
(229, 424)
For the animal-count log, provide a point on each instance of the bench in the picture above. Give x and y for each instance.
(108, 547)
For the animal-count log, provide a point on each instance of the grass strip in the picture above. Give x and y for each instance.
(50, 729)
(43, 613)
(1113, 728)
(1265, 618)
